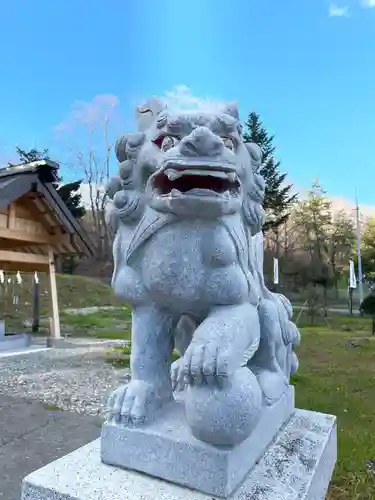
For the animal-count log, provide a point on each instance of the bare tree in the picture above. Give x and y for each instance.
(91, 131)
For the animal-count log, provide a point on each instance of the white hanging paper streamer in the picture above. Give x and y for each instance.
(276, 271)
(36, 277)
(19, 278)
(9, 280)
(2, 276)
(352, 277)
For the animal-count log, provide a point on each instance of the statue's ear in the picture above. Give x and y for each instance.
(147, 112)
(256, 155)
(231, 109)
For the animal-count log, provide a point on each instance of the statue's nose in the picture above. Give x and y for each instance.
(201, 142)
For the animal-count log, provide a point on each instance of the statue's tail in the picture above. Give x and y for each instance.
(290, 333)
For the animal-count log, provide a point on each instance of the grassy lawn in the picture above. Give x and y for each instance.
(73, 292)
(104, 324)
(335, 299)
(336, 376)
(339, 322)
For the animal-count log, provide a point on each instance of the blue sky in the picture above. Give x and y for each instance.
(309, 74)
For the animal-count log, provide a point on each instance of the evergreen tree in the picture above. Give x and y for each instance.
(278, 198)
(32, 155)
(68, 192)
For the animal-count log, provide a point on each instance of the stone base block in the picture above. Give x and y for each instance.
(59, 343)
(167, 449)
(298, 465)
(15, 341)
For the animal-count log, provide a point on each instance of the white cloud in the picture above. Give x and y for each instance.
(336, 11)
(181, 97)
(89, 112)
(368, 4)
(88, 193)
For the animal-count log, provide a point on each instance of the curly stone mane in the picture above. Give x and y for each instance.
(254, 190)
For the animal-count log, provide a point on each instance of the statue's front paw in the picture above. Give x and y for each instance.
(131, 403)
(177, 375)
(206, 363)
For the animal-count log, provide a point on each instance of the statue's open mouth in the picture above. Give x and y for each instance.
(205, 181)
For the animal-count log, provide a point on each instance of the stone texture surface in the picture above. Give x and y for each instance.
(167, 449)
(296, 466)
(186, 214)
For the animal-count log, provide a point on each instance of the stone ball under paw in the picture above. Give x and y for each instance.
(224, 416)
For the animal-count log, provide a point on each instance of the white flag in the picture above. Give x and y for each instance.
(276, 271)
(352, 278)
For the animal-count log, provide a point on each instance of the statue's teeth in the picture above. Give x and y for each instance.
(173, 174)
(226, 194)
(175, 192)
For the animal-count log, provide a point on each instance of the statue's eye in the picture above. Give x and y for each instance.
(168, 142)
(228, 143)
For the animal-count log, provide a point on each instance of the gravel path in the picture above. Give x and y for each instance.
(76, 380)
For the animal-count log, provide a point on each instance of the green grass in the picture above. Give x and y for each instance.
(337, 379)
(73, 292)
(105, 324)
(334, 321)
(119, 357)
(52, 407)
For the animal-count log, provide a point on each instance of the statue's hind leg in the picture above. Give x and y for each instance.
(270, 360)
(151, 352)
(183, 335)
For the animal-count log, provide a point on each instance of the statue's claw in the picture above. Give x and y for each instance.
(177, 375)
(130, 403)
(206, 363)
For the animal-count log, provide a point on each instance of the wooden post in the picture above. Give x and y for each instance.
(56, 334)
(351, 301)
(11, 216)
(35, 325)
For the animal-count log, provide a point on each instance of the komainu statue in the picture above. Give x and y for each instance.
(186, 215)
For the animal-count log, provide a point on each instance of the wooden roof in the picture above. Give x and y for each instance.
(34, 219)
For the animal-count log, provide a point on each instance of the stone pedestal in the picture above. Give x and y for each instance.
(167, 449)
(14, 341)
(297, 465)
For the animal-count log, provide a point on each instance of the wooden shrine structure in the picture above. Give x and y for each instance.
(36, 225)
